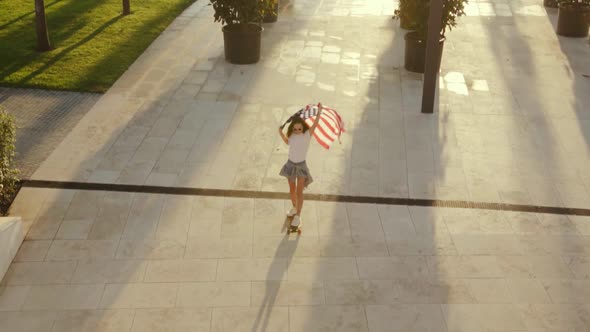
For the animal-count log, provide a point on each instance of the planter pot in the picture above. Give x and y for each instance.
(242, 43)
(272, 17)
(573, 21)
(415, 53)
(550, 3)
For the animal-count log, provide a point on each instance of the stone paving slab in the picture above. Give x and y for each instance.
(512, 122)
(44, 118)
(112, 261)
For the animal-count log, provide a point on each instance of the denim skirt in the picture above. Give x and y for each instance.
(293, 171)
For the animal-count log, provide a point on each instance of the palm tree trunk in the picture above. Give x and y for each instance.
(41, 22)
(126, 7)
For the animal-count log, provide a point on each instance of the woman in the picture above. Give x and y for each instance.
(295, 169)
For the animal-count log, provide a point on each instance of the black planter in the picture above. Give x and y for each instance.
(573, 21)
(550, 3)
(272, 17)
(415, 53)
(242, 43)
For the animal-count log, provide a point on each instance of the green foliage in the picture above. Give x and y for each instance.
(93, 43)
(550, 3)
(417, 12)
(241, 11)
(8, 174)
(407, 11)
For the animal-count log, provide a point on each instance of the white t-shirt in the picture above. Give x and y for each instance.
(298, 145)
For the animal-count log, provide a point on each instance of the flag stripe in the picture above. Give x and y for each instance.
(329, 127)
(334, 116)
(325, 126)
(320, 135)
(322, 139)
(328, 133)
(327, 116)
(330, 113)
(327, 122)
(339, 119)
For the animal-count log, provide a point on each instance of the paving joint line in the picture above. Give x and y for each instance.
(72, 185)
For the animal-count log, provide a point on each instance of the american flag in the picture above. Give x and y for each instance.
(329, 128)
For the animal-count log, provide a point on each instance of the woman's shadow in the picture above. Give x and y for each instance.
(274, 282)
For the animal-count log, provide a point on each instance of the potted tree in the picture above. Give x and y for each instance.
(573, 18)
(401, 13)
(241, 27)
(417, 12)
(550, 3)
(273, 15)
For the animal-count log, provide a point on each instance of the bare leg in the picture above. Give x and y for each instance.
(300, 186)
(293, 193)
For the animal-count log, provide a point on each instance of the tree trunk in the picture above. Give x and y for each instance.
(41, 22)
(126, 7)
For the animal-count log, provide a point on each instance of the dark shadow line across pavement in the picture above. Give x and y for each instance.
(314, 197)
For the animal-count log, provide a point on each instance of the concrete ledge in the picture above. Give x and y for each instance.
(11, 237)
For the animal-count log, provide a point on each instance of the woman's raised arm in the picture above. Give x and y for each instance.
(283, 136)
(317, 119)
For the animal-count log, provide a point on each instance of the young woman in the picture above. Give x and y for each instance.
(295, 169)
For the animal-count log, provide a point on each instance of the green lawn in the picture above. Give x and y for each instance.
(93, 43)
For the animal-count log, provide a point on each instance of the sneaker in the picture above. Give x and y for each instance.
(292, 212)
(296, 221)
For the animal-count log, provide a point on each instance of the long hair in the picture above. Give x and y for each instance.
(293, 123)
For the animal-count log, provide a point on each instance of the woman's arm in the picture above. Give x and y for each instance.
(317, 119)
(283, 136)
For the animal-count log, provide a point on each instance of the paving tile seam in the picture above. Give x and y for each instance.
(189, 191)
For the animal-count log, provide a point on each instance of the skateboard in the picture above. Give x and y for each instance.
(294, 229)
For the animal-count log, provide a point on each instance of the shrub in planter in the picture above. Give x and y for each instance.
(241, 27)
(8, 174)
(405, 8)
(550, 3)
(573, 18)
(273, 15)
(418, 13)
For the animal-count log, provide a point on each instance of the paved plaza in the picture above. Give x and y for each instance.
(512, 125)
